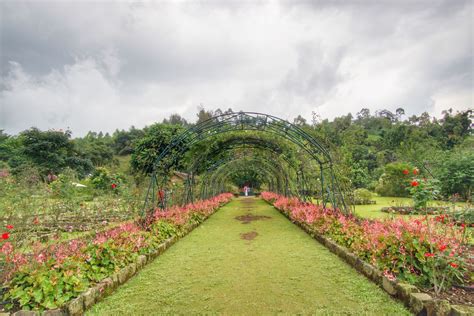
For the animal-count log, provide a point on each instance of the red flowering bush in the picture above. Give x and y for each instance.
(412, 250)
(49, 276)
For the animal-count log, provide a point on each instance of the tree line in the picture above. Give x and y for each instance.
(370, 149)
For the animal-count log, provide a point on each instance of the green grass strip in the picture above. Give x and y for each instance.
(252, 266)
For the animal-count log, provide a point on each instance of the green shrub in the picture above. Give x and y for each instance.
(363, 196)
(457, 175)
(102, 179)
(394, 181)
(164, 230)
(47, 287)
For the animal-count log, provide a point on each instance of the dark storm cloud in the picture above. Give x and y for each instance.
(102, 65)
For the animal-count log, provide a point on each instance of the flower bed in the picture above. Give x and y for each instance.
(49, 277)
(426, 252)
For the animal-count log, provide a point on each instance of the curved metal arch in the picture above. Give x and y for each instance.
(268, 178)
(241, 143)
(252, 163)
(265, 154)
(266, 162)
(212, 171)
(267, 146)
(209, 181)
(250, 121)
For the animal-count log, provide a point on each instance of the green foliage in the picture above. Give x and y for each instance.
(48, 286)
(464, 216)
(63, 186)
(393, 181)
(363, 196)
(423, 191)
(123, 141)
(163, 230)
(456, 127)
(106, 258)
(157, 138)
(456, 174)
(47, 150)
(104, 180)
(97, 148)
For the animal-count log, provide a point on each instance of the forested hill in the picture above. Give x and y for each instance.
(367, 147)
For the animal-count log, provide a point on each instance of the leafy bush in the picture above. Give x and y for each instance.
(104, 180)
(63, 186)
(163, 230)
(363, 196)
(395, 180)
(457, 175)
(47, 286)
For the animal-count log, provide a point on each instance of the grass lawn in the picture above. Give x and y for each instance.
(250, 266)
(374, 210)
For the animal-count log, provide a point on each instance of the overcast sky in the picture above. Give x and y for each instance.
(104, 65)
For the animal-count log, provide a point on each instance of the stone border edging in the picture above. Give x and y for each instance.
(92, 295)
(418, 302)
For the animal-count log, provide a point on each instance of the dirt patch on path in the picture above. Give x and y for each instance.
(247, 218)
(249, 235)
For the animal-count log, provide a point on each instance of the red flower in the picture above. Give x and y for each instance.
(442, 247)
(414, 183)
(452, 264)
(36, 221)
(405, 171)
(429, 254)
(9, 226)
(415, 171)
(5, 236)
(114, 185)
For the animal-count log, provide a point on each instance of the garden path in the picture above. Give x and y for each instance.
(248, 259)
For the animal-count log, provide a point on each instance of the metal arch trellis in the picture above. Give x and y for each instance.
(200, 161)
(216, 168)
(245, 142)
(250, 121)
(217, 178)
(237, 143)
(272, 166)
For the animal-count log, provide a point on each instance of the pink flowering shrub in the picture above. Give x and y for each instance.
(412, 250)
(48, 276)
(179, 215)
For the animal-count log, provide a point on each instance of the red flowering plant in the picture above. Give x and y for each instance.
(442, 266)
(6, 247)
(403, 249)
(423, 191)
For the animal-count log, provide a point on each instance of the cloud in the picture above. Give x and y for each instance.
(101, 66)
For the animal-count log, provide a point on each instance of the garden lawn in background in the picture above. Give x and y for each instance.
(374, 210)
(248, 259)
